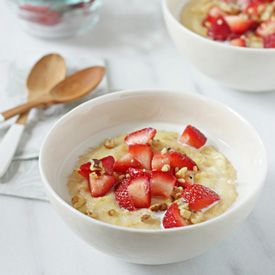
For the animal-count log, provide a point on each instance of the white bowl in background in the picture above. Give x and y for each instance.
(240, 68)
(107, 116)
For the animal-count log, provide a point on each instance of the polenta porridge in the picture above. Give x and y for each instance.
(153, 179)
(243, 23)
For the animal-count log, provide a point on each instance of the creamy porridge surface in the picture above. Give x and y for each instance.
(215, 172)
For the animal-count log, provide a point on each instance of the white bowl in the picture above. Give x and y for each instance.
(123, 112)
(240, 68)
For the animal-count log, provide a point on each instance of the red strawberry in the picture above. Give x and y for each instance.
(141, 136)
(213, 13)
(122, 196)
(108, 165)
(122, 164)
(179, 160)
(162, 184)
(239, 42)
(266, 28)
(253, 9)
(135, 173)
(193, 137)
(143, 154)
(139, 191)
(269, 41)
(84, 170)
(199, 196)
(100, 185)
(188, 180)
(159, 160)
(172, 217)
(219, 29)
(238, 24)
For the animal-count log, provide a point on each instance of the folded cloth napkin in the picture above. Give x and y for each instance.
(22, 178)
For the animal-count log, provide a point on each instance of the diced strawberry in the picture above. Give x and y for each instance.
(188, 180)
(162, 184)
(213, 13)
(219, 29)
(238, 24)
(108, 165)
(193, 137)
(122, 196)
(141, 137)
(172, 217)
(199, 196)
(135, 173)
(239, 42)
(84, 170)
(159, 160)
(100, 185)
(139, 191)
(180, 160)
(143, 154)
(269, 41)
(266, 28)
(253, 9)
(122, 164)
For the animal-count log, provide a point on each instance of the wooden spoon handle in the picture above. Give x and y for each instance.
(21, 109)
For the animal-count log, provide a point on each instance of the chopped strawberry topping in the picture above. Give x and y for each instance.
(139, 191)
(253, 9)
(219, 29)
(135, 173)
(140, 137)
(172, 217)
(122, 196)
(214, 12)
(239, 42)
(122, 164)
(159, 160)
(266, 28)
(108, 165)
(193, 137)
(269, 41)
(238, 24)
(100, 185)
(143, 154)
(84, 170)
(162, 184)
(180, 160)
(199, 196)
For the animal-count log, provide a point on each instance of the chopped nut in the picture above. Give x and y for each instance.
(97, 165)
(165, 168)
(94, 175)
(196, 217)
(176, 194)
(109, 143)
(163, 151)
(145, 218)
(78, 201)
(185, 213)
(195, 168)
(181, 172)
(159, 207)
(181, 180)
(112, 212)
(185, 206)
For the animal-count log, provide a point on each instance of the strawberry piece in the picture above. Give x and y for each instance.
(84, 170)
(253, 9)
(162, 184)
(100, 185)
(239, 42)
(122, 196)
(143, 154)
(238, 24)
(269, 41)
(108, 165)
(139, 191)
(122, 164)
(180, 160)
(219, 29)
(213, 13)
(266, 28)
(199, 196)
(159, 160)
(141, 137)
(136, 173)
(172, 217)
(193, 137)
(188, 180)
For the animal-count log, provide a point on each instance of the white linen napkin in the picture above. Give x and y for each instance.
(23, 178)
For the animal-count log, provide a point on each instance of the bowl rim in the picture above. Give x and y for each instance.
(167, 11)
(144, 92)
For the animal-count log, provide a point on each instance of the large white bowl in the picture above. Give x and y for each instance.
(121, 112)
(240, 68)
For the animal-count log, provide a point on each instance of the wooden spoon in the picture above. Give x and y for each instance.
(71, 89)
(46, 73)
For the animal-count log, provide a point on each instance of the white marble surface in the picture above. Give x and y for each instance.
(131, 36)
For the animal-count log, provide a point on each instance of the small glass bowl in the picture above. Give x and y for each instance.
(55, 18)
